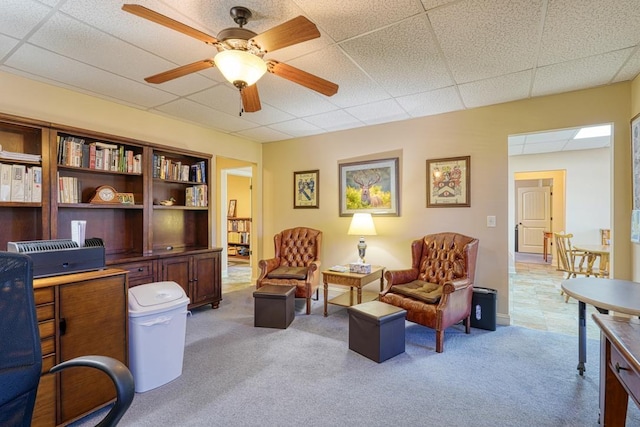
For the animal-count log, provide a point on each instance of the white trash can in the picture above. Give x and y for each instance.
(157, 331)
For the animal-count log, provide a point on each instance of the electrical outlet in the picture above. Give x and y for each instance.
(491, 221)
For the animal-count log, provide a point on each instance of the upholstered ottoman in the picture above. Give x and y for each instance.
(376, 330)
(274, 306)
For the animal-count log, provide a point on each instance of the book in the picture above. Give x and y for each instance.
(5, 182)
(36, 186)
(17, 183)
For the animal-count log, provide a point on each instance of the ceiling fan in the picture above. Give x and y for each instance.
(240, 53)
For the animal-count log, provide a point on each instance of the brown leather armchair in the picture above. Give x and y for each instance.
(436, 291)
(295, 262)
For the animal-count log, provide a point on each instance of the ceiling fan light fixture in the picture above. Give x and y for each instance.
(239, 67)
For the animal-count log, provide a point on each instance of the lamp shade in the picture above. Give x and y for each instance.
(239, 67)
(362, 225)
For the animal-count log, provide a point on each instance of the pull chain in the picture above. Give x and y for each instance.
(240, 107)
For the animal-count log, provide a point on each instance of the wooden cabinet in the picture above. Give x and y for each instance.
(239, 237)
(79, 314)
(198, 275)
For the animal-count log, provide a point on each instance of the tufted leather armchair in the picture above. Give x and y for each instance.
(436, 291)
(295, 262)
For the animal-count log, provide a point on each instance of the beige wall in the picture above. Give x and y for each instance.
(481, 133)
(635, 248)
(27, 98)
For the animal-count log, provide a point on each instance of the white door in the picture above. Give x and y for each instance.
(534, 218)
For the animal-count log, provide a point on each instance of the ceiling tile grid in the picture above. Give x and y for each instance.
(393, 60)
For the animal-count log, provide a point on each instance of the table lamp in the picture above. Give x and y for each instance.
(362, 225)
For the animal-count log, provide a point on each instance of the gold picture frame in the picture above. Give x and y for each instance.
(449, 182)
(306, 189)
(370, 187)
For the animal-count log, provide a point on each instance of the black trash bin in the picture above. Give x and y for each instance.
(483, 308)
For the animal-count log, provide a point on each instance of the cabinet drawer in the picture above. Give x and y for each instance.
(139, 272)
(45, 312)
(624, 372)
(43, 295)
(47, 328)
(48, 346)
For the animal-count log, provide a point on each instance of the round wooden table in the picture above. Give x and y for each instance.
(621, 296)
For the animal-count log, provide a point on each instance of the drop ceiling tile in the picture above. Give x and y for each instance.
(483, 39)
(263, 134)
(407, 46)
(19, 17)
(429, 103)
(515, 150)
(344, 19)
(197, 113)
(297, 128)
(516, 140)
(553, 136)
(89, 79)
(588, 143)
(544, 147)
(630, 69)
(577, 29)
(50, 2)
(496, 90)
(334, 120)
(578, 74)
(430, 4)
(379, 112)
(356, 87)
(6, 45)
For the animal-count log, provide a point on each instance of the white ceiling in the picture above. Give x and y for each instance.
(552, 141)
(393, 59)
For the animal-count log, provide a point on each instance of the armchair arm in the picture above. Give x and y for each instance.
(266, 266)
(397, 277)
(456, 285)
(119, 374)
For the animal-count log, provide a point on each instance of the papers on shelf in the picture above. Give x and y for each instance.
(9, 155)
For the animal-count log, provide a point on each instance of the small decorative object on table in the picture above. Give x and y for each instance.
(360, 268)
(169, 202)
(126, 198)
(105, 194)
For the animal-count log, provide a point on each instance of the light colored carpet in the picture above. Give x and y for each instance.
(238, 375)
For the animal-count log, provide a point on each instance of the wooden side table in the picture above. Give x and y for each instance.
(547, 235)
(352, 280)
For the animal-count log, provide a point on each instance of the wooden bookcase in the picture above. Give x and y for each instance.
(142, 237)
(239, 237)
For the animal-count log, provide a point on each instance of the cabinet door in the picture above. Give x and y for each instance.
(206, 286)
(178, 270)
(93, 320)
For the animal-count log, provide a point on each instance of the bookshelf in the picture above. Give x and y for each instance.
(143, 237)
(239, 237)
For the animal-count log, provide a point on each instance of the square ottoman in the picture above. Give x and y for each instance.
(376, 330)
(274, 306)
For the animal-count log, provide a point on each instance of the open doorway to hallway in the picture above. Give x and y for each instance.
(577, 173)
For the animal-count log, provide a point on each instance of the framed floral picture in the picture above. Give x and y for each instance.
(369, 187)
(449, 182)
(306, 189)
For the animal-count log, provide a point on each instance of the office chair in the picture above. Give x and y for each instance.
(20, 352)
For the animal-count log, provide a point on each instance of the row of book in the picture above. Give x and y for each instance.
(20, 183)
(164, 168)
(239, 225)
(10, 155)
(236, 237)
(68, 189)
(74, 151)
(196, 196)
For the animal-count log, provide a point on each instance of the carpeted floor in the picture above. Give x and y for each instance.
(238, 375)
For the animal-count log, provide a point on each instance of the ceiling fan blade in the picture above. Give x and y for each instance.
(180, 71)
(303, 78)
(251, 99)
(158, 18)
(296, 30)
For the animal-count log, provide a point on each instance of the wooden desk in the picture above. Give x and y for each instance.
(352, 280)
(621, 296)
(546, 235)
(619, 367)
(594, 252)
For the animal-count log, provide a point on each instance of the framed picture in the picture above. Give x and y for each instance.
(635, 159)
(126, 198)
(635, 226)
(306, 189)
(449, 182)
(370, 187)
(232, 208)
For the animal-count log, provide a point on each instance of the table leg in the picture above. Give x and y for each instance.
(582, 336)
(382, 282)
(326, 296)
(359, 295)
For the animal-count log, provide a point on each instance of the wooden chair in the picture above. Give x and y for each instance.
(571, 261)
(295, 262)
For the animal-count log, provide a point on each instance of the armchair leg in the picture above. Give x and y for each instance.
(308, 305)
(467, 324)
(439, 341)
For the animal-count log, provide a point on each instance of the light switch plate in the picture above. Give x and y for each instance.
(491, 221)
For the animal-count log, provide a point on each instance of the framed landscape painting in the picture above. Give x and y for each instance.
(306, 189)
(369, 187)
(449, 182)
